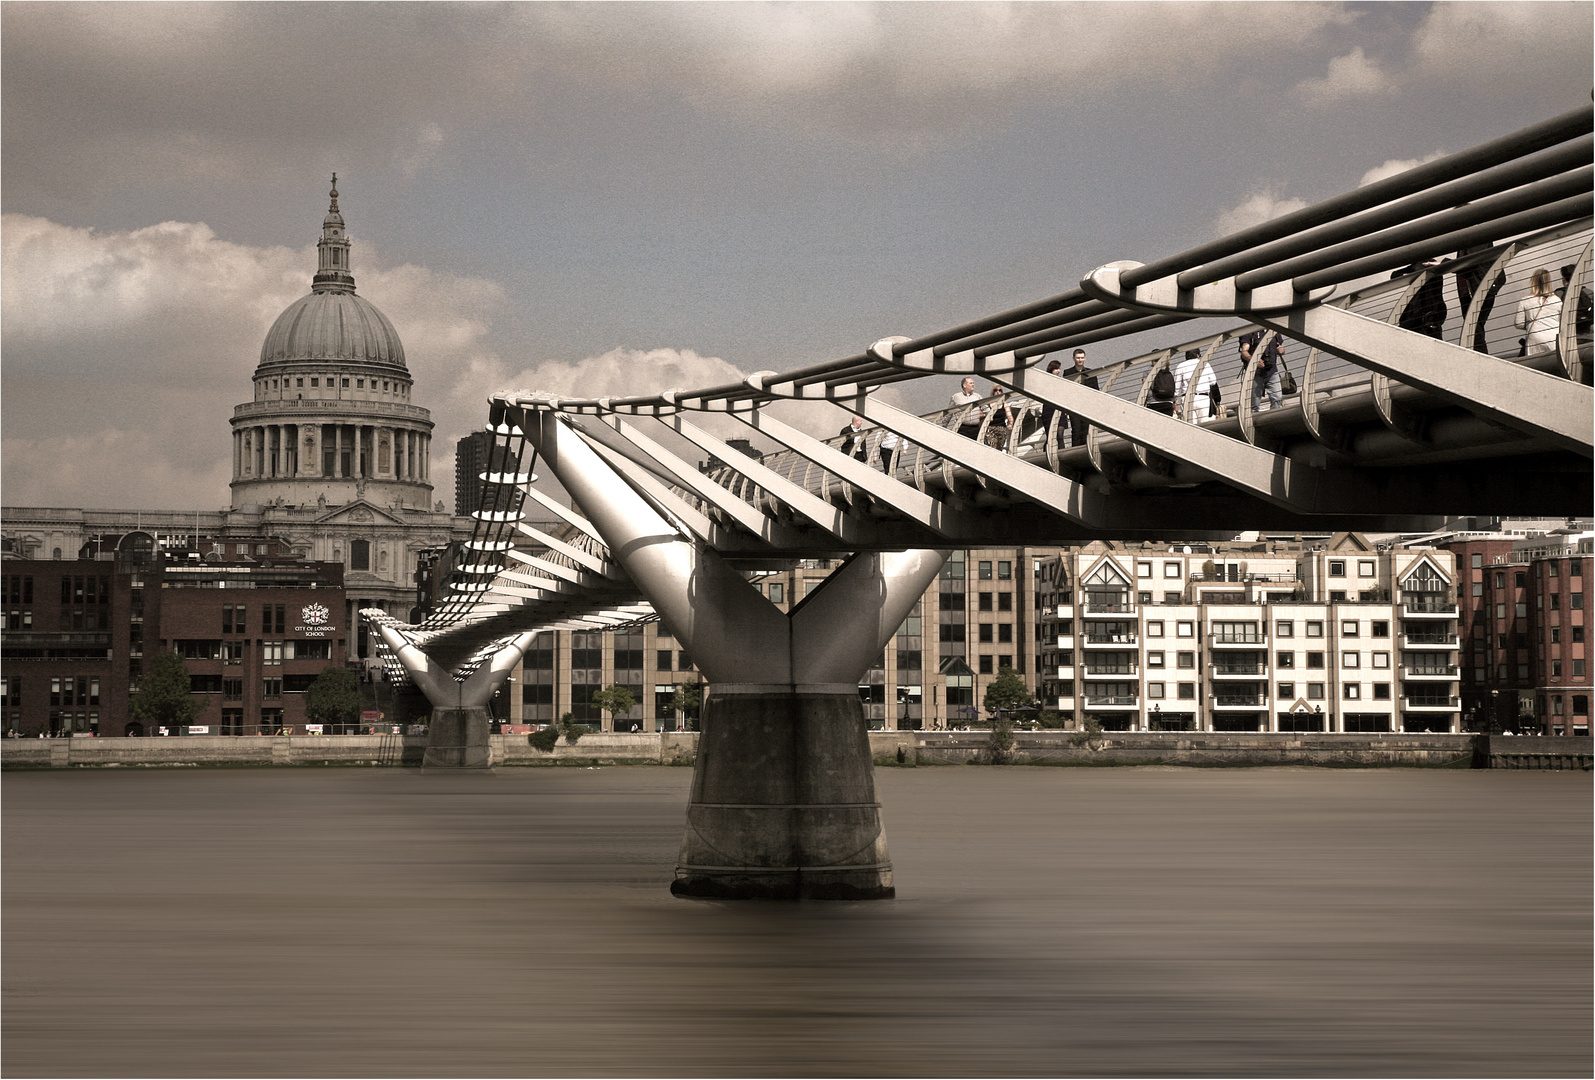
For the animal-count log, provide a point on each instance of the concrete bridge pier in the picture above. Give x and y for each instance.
(783, 792)
(457, 737)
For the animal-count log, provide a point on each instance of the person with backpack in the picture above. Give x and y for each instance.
(1267, 378)
(1539, 315)
(1161, 398)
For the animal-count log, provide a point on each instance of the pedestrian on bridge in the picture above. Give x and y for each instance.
(1539, 315)
(1079, 425)
(969, 401)
(1267, 377)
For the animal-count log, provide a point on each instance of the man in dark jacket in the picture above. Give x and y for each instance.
(1079, 425)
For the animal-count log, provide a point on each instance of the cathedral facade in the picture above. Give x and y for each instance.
(331, 459)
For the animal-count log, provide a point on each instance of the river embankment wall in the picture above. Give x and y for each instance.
(890, 748)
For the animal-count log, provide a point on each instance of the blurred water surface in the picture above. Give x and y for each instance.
(340, 922)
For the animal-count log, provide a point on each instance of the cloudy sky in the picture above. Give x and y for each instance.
(618, 197)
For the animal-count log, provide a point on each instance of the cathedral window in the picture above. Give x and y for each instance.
(360, 384)
(360, 555)
(346, 384)
(314, 381)
(299, 382)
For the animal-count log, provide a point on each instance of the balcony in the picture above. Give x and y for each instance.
(1232, 700)
(1429, 671)
(1439, 636)
(1109, 701)
(1429, 702)
(1428, 605)
(1237, 641)
(1108, 669)
(1240, 671)
(1100, 605)
(1109, 635)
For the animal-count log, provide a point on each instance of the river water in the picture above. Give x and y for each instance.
(346, 922)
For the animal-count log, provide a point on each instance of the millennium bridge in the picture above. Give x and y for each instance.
(1407, 385)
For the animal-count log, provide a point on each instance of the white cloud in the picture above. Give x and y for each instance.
(125, 352)
(1350, 76)
(1396, 166)
(1517, 50)
(1260, 206)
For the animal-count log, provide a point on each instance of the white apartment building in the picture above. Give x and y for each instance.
(1344, 636)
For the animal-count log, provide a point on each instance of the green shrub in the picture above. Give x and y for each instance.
(544, 740)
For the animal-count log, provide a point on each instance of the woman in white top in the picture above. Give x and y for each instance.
(1539, 315)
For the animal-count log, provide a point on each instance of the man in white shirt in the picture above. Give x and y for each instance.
(969, 419)
(1205, 384)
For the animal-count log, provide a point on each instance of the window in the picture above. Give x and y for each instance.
(1287, 689)
(1005, 633)
(1351, 659)
(1348, 628)
(985, 665)
(1522, 610)
(1143, 597)
(1315, 691)
(1005, 570)
(1500, 611)
(1477, 561)
(1381, 691)
(1185, 660)
(1381, 659)
(271, 688)
(346, 384)
(359, 384)
(1520, 579)
(1365, 568)
(1143, 569)
(314, 381)
(360, 555)
(1172, 570)
(1315, 628)
(1351, 691)
(1155, 689)
(1187, 691)
(1285, 660)
(1556, 669)
(1578, 634)
(1379, 628)
(1556, 602)
(985, 633)
(1184, 629)
(1005, 601)
(1154, 659)
(271, 652)
(1154, 628)
(1285, 628)
(777, 592)
(233, 689)
(1576, 568)
(1337, 567)
(985, 601)
(985, 571)
(1556, 634)
(1171, 598)
(1576, 601)
(1555, 570)
(1478, 588)
(1315, 660)
(1500, 579)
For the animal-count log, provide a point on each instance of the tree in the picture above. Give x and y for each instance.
(334, 698)
(1008, 692)
(614, 700)
(163, 698)
(686, 700)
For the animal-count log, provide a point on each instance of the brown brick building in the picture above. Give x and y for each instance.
(254, 633)
(1524, 621)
